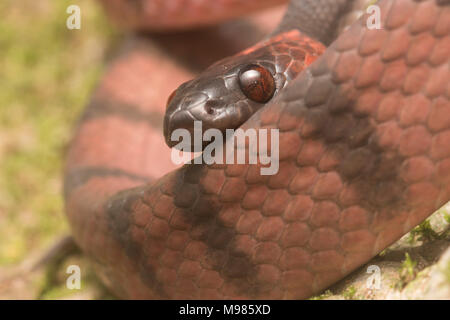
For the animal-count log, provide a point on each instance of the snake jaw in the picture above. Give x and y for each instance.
(183, 111)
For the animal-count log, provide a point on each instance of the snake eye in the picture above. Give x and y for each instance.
(171, 97)
(257, 83)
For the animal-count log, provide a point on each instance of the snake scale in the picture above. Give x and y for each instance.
(364, 151)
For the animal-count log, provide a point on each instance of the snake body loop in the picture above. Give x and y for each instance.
(364, 157)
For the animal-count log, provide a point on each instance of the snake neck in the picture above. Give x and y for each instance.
(319, 19)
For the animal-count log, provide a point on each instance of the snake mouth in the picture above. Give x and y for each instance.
(180, 119)
(180, 114)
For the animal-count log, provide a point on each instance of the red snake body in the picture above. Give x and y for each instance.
(364, 157)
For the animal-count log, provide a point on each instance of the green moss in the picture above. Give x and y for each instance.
(446, 217)
(350, 293)
(407, 272)
(47, 75)
(322, 296)
(423, 232)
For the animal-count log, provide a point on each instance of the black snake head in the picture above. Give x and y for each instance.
(225, 95)
(230, 91)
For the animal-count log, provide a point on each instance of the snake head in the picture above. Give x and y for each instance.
(230, 91)
(224, 96)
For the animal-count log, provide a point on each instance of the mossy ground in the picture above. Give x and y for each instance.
(47, 73)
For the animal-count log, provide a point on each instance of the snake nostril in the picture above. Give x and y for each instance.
(211, 106)
(209, 109)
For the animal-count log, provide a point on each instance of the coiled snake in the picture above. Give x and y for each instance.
(364, 150)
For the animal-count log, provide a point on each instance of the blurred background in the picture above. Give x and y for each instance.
(47, 74)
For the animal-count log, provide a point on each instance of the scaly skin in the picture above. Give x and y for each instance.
(285, 55)
(364, 157)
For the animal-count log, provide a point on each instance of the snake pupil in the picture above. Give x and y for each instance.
(257, 83)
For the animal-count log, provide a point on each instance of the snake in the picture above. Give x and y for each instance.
(364, 145)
